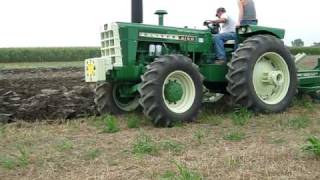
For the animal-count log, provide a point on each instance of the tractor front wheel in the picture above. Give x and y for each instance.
(171, 90)
(108, 99)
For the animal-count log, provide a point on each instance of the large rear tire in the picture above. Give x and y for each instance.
(171, 90)
(262, 75)
(108, 100)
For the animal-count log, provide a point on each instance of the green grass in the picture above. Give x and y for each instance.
(305, 102)
(64, 145)
(133, 121)
(37, 65)
(7, 162)
(240, 117)
(233, 162)
(313, 146)
(299, 122)
(92, 154)
(211, 119)
(178, 124)
(234, 136)
(2, 130)
(172, 146)
(111, 125)
(184, 173)
(278, 141)
(23, 158)
(97, 121)
(199, 135)
(145, 145)
(168, 175)
(12, 161)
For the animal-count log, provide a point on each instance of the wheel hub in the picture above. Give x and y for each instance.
(178, 92)
(271, 78)
(173, 91)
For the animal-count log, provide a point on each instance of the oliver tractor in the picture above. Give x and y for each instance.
(164, 70)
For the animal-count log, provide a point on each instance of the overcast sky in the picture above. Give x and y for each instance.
(33, 23)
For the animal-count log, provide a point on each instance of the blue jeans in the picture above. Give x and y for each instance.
(248, 22)
(219, 41)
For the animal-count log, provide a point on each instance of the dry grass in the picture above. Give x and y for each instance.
(271, 149)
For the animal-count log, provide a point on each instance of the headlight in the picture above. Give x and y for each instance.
(244, 30)
(249, 30)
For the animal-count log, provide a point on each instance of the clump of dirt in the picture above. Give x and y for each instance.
(41, 94)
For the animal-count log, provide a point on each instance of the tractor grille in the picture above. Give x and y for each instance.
(110, 44)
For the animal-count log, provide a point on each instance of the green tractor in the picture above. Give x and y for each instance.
(164, 70)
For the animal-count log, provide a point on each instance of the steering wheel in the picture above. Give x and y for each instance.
(213, 27)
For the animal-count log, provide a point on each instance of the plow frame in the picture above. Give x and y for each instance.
(309, 80)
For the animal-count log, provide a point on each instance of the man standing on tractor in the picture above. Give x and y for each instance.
(227, 32)
(247, 13)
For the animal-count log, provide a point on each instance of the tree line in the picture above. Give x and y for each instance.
(300, 43)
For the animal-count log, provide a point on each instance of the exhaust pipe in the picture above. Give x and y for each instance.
(136, 11)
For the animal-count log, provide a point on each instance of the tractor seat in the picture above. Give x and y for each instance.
(230, 42)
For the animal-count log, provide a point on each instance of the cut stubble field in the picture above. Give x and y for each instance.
(263, 147)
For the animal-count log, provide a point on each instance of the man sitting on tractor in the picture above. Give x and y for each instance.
(227, 32)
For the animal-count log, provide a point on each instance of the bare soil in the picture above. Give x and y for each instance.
(38, 94)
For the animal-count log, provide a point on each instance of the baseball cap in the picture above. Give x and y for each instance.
(221, 9)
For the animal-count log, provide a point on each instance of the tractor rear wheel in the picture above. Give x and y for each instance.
(108, 100)
(171, 90)
(262, 75)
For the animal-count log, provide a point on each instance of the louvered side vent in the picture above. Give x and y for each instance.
(110, 44)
